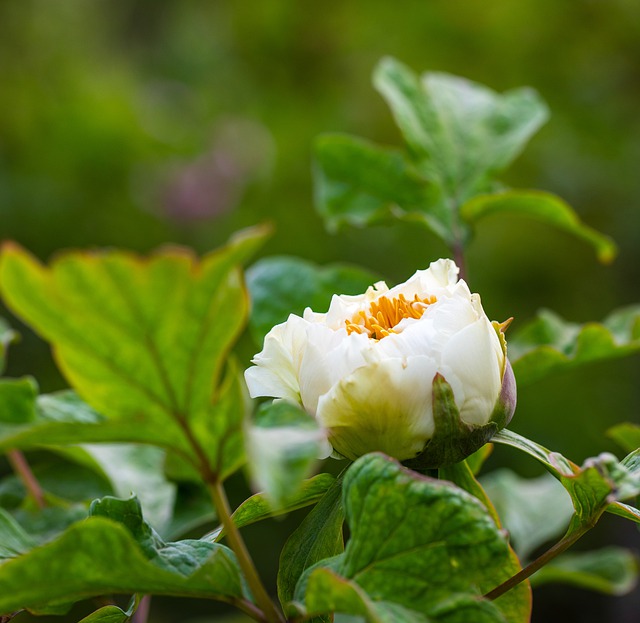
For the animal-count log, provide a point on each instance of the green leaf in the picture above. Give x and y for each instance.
(112, 614)
(419, 543)
(7, 336)
(460, 132)
(280, 286)
(611, 570)
(359, 183)
(626, 435)
(138, 469)
(597, 486)
(17, 400)
(148, 339)
(543, 207)
(283, 447)
(533, 510)
(548, 344)
(118, 553)
(319, 536)
(257, 507)
(14, 541)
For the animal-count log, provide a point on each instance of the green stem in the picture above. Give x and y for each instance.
(538, 563)
(23, 471)
(237, 544)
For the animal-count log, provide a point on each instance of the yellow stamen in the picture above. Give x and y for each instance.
(385, 314)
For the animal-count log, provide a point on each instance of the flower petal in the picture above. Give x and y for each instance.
(384, 406)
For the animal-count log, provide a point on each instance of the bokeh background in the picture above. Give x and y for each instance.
(135, 123)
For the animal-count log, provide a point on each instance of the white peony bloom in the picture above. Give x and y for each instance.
(417, 370)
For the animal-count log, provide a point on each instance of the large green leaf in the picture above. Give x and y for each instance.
(359, 183)
(549, 344)
(144, 341)
(115, 551)
(280, 286)
(611, 570)
(283, 445)
(459, 132)
(319, 536)
(543, 207)
(421, 544)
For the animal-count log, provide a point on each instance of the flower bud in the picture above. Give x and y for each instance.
(417, 371)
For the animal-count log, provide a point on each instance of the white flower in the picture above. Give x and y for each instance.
(367, 370)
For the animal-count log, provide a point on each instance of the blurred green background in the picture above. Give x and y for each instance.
(137, 123)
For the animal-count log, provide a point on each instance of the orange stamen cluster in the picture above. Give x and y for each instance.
(385, 314)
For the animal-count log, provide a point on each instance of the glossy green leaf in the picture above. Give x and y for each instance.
(280, 286)
(283, 447)
(626, 435)
(533, 510)
(17, 400)
(460, 132)
(549, 344)
(115, 551)
(611, 570)
(419, 543)
(359, 183)
(318, 537)
(148, 339)
(543, 207)
(257, 507)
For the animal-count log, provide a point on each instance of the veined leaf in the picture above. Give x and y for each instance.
(549, 344)
(419, 543)
(144, 341)
(359, 183)
(282, 285)
(459, 132)
(115, 551)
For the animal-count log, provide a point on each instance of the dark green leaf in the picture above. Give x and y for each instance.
(459, 131)
(359, 183)
(257, 507)
(117, 553)
(549, 344)
(533, 510)
(148, 339)
(612, 570)
(543, 207)
(17, 400)
(280, 286)
(319, 536)
(283, 447)
(416, 542)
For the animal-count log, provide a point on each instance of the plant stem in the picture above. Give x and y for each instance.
(142, 613)
(23, 471)
(538, 563)
(458, 256)
(260, 594)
